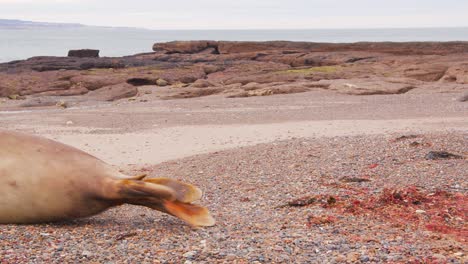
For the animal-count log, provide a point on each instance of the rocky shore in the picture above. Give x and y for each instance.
(186, 69)
(306, 152)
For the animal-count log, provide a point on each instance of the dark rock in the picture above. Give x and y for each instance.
(437, 155)
(84, 53)
(141, 81)
(354, 179)
(303, 201)
(101, 65)
(404, 137)
(186, 46)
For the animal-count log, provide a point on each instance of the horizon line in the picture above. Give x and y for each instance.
(236, 29)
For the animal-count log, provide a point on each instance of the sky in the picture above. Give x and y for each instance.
(243, 14)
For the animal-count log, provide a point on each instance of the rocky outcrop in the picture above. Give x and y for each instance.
(84, 53)
(185, 69)
(397, 48)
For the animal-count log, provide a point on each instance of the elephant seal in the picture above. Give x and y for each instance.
(42, 180)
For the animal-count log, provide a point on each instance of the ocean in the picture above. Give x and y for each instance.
(16, 44)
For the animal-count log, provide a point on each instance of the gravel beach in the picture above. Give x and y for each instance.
(248, 190)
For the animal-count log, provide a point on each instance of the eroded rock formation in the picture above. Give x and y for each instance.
(186, 69)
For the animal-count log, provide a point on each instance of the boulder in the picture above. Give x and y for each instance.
(201, 83)
(368, 86)
(113, 92)
(84, 53)
(426, 72)
(457, 74)
(272, 89)
(161, 82)
(94, 82)
(209, 69)
(193, 92)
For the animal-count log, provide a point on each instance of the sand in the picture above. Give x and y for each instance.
(139, 134)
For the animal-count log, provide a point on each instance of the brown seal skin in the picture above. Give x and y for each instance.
(42, 180)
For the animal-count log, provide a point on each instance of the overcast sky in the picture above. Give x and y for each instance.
(243, 14)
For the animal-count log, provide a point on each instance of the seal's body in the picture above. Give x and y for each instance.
(43, 181)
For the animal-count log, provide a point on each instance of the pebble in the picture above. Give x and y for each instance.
(353, 256)
(191, 255)
(439, 257)
(277, 248)
(365, 258)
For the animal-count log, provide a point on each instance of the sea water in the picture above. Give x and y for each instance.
(18, 44)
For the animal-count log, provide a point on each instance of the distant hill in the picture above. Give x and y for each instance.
(17, 24)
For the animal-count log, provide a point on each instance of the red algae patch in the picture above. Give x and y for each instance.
(439, 211)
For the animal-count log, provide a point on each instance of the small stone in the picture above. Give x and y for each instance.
(191, 255)
(62, 104)
(352, 257)
(463, 98)
(439, 257)
(420, 211)
(295, 165)
(87, 253)
(437, 155)
(230, 257)
(203, 243)
(278, 248)
(365, 258)
(340, 259)
(69, 123)
(161, 82)
(15, 97)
